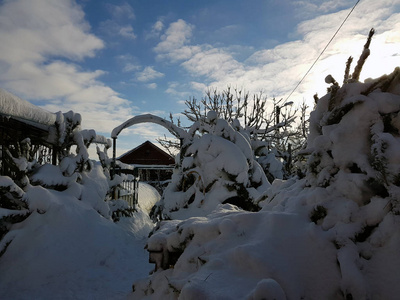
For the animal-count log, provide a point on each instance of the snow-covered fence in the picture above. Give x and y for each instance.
(44, 155)
(129, 191)
(129, 186)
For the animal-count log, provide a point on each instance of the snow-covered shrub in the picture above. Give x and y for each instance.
(14, 208)
(334, 234)
(75, 175)
(233, 254)
(216, 166)
(120, 208)
(352, 189)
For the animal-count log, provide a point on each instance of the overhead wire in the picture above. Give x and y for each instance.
(322, 52)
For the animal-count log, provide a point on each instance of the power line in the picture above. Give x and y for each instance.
(327, 45)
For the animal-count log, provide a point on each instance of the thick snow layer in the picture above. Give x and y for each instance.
(148, 196)
(241, 255)
(70, 252)
(11, 105)
(215, 155)
(216, 164)
(66, 250)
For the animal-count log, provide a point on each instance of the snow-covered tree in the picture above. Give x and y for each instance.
(351, 189)
(216, 164)
(271, 126)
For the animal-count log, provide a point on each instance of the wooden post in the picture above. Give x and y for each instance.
(114, 161)
(54, 156)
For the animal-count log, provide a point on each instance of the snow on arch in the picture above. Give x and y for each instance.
(149, 118)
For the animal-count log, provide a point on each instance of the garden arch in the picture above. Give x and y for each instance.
(147, 118)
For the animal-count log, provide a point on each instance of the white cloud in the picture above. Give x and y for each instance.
(112, 28)
(158, 26)
(181, 91)
(38, 32)
(121, 12)
(172, 45)
(148, 74)
(214, 63)
(35, 29)
(128, 62)
(177, 35)
(310, 7)
(127, 31)
(276, 71)
(156, 30)
(152, 86)
(130, 67)
(118, 25)
(198, 86)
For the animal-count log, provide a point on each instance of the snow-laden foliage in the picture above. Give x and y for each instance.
(232, 254)
(75, 175)
(276, 129)
(333, 234)
(56, 221)
(72, 252)
(216, 165)
(351, 189)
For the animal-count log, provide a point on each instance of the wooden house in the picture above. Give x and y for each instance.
(153, 164)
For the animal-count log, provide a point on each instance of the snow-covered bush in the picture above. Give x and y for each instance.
(75, 175)
(334, 234)
(352, 189)
(216, 166)
(232, 254)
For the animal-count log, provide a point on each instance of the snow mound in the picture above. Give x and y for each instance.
(148, 196)
(233, 254)
(70, 252)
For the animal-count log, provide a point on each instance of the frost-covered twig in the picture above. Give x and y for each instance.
(363, 57)
(347, 71)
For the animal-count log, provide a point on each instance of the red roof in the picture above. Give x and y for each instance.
(147, 154)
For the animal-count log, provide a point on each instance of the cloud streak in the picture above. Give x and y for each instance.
(148, 74)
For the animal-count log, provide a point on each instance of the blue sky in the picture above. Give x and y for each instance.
(112, 60)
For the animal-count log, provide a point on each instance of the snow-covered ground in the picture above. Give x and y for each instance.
(72, 252)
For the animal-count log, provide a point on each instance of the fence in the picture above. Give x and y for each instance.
(128, 190)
